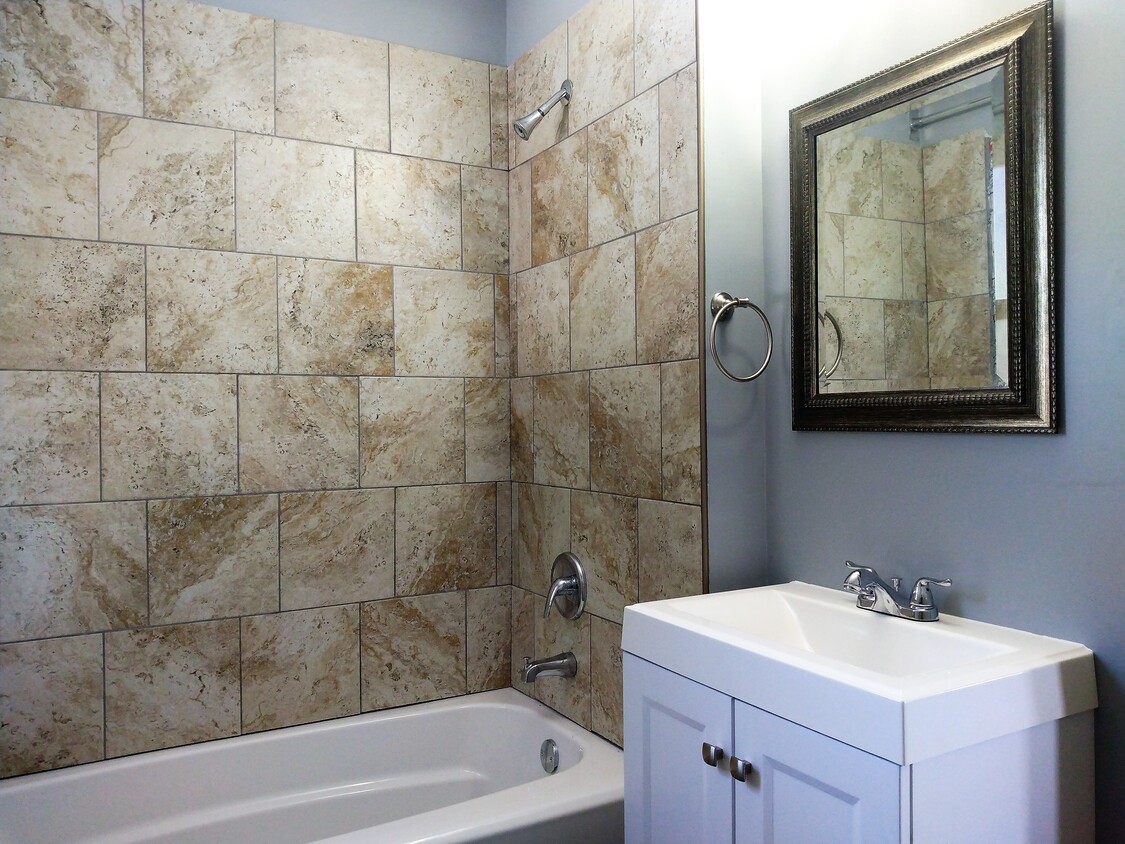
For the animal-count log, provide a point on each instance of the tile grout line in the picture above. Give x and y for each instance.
(105, 702)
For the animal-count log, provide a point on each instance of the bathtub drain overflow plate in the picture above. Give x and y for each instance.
(549, 756)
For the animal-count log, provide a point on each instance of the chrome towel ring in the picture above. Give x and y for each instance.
(722, 304)
(826, 370)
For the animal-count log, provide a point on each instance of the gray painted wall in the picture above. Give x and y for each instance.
(530, 20)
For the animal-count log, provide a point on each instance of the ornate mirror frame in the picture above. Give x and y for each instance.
(1021, 46)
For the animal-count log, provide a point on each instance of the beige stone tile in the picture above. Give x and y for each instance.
(50, 704)
(332, 87)
(49, 170)
(519, 216)
(902, 182)
(211, 311)
(558, 201)
(71, 304)
(830, 255)
(861, 323)
(412, 649)
(535, 76)
(168, 435)
(606, 693)
(298, 432)
(82, 55)
(208, 66)
(680, 432)
(489, 638)
(337, 546)
(603, 535)
(440, 107)
(600, 59)
(505, 507)
(409, 210)
(872, 258)
(484, 219)
(48, 437)
(169, 686)
(487, 429)
(679, 144)
(848, 174)
(542, 533)
(523, 427)
(603, 293)
(668, 290)
(664, 40)
(569, 696)
(503, 303)
(212, 557)
(295, 198)
(72, 569)
(670, 538)
(913, 261)
(542, 299)
(445, 538)
(625, 430)
(445, 323)
(412, 431)
(957, 256)
(336, 318)
(954, 175)
(498, 107)
(960, 342)
(624, 173)
(561, 443)
(525, 607)
(907, 344)
(299, 666)
(165, 183)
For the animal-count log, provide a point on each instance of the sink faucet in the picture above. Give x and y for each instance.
(878, 595)
(559, 665)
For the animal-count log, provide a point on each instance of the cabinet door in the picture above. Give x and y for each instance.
(805, 788)
(671, 794)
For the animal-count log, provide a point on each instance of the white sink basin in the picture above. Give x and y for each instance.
(904, 690)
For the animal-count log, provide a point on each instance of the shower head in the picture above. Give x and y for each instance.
(526, 125)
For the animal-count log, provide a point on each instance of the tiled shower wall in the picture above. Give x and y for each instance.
(254, 360)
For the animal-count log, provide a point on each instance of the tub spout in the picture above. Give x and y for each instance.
(559, 665)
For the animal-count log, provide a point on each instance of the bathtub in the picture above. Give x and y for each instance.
(465, 769)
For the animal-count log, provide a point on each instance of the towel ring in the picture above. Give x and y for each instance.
(721, 305)
(826, 371)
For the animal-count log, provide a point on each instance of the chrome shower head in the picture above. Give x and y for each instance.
(526, 125)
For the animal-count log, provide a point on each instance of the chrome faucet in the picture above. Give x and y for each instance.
(559, 665)
(878, 595)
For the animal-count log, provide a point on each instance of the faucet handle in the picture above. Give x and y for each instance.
(922, 596)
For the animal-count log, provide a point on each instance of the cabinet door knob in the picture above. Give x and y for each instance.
(712, 755)
(740, 769)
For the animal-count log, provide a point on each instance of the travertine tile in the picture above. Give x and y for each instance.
(212, 557)
(295, 198)
(168, 686)
(872, 258)
(48, 437)
(542, 299)
(82, 55)
(71, 304)
(600, 58)
(567, 695)
(525, 607)
(960, 342)
(625, 430)
(445, 538)
(487, 429)
(913, 261)
(606, 694)
(50, 704)
(165, 183)
(668, 290)
(523, 427)
(168, 435)
(440, 107)
(336, 547)
(335, 318)
(299, 666)
(848, 174)
(498, 106)
(49, 170)
(907, 344)
(902, 182)
(670, 538)
(412, 431)
(72, 569)
(409, 210)
(957, 256)
(504, 537)
(624, 176)
(484, 219)
(332, 87)
(954, 175)
(561, 444)
(211, 311)
(519, 217)
(542, 533)
(298, 432)
(830, 255)
(208, 66)
(535, 76)
(413, 649)
(679, 143)
(489, 637)
(444, 323)
(558, 201)
(664, 39)
(861, 323)
(503, 303)
(603, 306)
(603, 535)
(680, 456)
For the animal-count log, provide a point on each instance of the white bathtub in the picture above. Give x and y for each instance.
(465, 769)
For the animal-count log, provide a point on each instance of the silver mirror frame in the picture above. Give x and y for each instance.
(1022, 46)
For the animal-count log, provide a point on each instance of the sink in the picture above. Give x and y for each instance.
(903, 690)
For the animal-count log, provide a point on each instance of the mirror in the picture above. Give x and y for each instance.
(923, 287)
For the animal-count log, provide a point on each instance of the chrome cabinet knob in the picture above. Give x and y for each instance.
(740, 769)
(712, 755)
